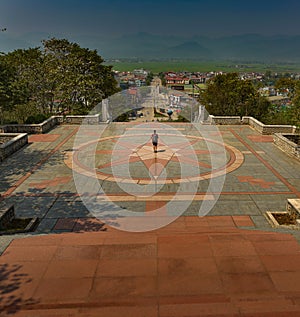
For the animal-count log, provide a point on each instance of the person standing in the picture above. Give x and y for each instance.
(154, 138)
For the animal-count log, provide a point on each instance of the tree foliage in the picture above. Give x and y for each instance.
(286, 86)
(295, 108)
(228, 95)
(59, 76)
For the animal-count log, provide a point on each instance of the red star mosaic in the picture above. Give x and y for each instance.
(51, 183)
(182, 152)
(261, 138)
(43, 138)
(255, 181)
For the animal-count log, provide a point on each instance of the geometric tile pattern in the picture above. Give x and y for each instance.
(255, 181)
(43, 138)
(261, 138)
(179, 153)
(209, 266)
(51, 183)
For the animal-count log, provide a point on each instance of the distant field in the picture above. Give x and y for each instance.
(163, 66)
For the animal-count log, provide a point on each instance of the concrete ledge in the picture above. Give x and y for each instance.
(7, 214)
(220, 120)
(293, 206)
(31, 128)
(268, 129)
(50, 123)
(286, 145)
(274, 223)
(262, 128)
(89, 119)
(16, 142)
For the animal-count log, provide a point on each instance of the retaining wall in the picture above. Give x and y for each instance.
(15, 142)
(219, 120)
(49, 124)
(287, 146)
(31, 128)
(268, 129)
(264, 129)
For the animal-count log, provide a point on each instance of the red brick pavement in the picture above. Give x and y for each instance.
(193, 267)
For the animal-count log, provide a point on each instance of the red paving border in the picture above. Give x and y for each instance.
(43, 137)
(42, 161)
(278, 175)
(193, 267)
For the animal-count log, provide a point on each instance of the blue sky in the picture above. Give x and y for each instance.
(176, 17)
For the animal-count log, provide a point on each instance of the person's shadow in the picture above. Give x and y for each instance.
(160, 151)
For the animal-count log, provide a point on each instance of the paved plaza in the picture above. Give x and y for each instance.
(124, 231)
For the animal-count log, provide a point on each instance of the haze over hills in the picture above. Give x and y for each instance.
(245, 47)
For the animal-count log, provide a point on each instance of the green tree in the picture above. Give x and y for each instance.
(163, 78)
(295, 108)
(5, 91)
(60, 73)
(228, 95)
(81, 79)
(286, 85)
(149, 78)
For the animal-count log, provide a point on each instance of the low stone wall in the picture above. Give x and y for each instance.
(4, 138)
(263, 129)
(48, 124)
(31, 128)
(15, 142)
(293, 206)
(89, 119)
(287, 146)
(6, 216)
(268, 129)
(295, 138)
(219, 120)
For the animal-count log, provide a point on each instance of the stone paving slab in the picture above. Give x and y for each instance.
(218, 265)
(194, 267)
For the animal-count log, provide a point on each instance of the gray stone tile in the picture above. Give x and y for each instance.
(46, 225)
(261, 222)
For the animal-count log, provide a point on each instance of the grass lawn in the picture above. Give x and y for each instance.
(203, 66)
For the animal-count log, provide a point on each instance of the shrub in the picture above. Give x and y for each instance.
(38, 118)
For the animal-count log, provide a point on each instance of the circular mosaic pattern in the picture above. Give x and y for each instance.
(123, 159)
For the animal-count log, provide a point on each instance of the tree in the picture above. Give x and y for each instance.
(5, 91)
(295, 108)
(286, 86)
(228, 95)
(149, 78)
(60, 74)
(82, 80)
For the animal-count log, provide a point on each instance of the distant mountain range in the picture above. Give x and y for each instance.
(247, 47)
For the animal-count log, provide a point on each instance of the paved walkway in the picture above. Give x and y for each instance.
(194, 267)
(229, 263)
